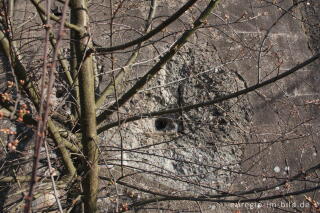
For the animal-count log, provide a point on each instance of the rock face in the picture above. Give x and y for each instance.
(192, 151)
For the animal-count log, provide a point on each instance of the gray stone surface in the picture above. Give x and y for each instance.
(192, 147)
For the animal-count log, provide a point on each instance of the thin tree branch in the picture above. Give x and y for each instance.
(62, 60)
(56, 195)
(45, 100)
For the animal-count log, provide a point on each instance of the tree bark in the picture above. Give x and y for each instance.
(79, 14)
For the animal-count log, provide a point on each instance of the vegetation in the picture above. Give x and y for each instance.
(76, 74)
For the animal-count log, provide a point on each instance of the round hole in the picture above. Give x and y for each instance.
(161, 123)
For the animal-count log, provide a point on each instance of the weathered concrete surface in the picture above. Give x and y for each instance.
(285, 126)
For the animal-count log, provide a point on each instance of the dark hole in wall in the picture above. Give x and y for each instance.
(164, 124)
(161, 124)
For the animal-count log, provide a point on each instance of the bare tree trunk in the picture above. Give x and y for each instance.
(87, 103)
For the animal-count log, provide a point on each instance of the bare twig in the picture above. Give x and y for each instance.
(52, 178)
(44, 101)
